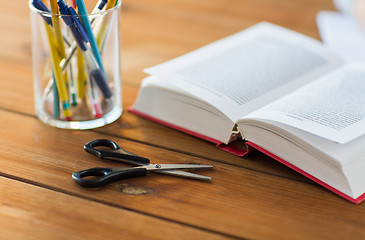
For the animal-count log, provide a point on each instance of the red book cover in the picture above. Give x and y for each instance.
(250, 146)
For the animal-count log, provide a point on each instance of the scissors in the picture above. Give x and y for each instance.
(103, 176)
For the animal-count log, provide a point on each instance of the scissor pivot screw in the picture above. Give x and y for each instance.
(157, 166)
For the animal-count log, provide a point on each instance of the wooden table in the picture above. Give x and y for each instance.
(249, 198)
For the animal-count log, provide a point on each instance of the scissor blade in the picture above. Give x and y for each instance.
(156, 167)
(179, 173)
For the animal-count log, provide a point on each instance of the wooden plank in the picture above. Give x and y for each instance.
(16, 87)
(15, 31)
(31, 212)
(238, 202)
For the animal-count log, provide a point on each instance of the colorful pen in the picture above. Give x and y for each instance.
(94, 99)
(85, 20)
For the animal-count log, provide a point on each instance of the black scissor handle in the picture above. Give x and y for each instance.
(104, 176)
(115, 152)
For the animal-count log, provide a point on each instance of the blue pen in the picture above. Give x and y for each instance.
(72, 25)
(79, 26)
(69, 17)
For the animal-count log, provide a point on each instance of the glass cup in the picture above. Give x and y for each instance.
(77, 84)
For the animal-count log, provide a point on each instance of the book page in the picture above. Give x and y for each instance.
(248, 70)
(331, 107)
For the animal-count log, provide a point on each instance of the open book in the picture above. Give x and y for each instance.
(281, 92)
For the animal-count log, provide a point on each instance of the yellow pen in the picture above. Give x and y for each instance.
(103, 28)
(60, 81)
(57, 28)
(59, 48)
(81, 76)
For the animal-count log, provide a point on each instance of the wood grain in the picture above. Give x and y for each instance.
(30, 212)
(249, 198)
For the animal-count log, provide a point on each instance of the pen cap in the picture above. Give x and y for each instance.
(71, 90)
(39, 5)
(101, 4)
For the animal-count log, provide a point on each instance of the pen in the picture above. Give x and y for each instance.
(85, 20)
(94, 99)
(80, 36)
(69, 17)
(62, 54)
(56, 107)
(72, 88)
(57, 28)
(81, 76)
(56, 101)
(103, 28)
(61, 86)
